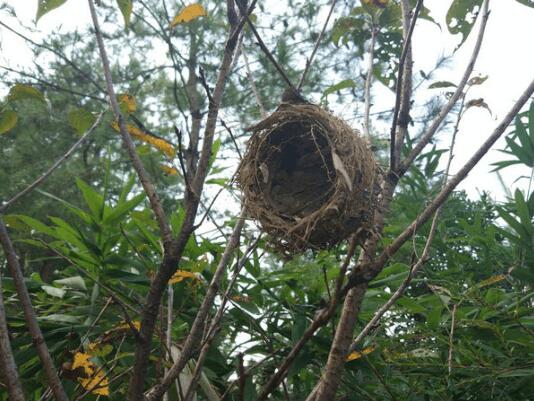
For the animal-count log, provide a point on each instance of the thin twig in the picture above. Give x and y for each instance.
(406, 50)
(369, 82)
(30, 316)
(255, 91)
(82, 73)
(147, 184)
(309, 60)
(54, 166)
(405, 164)
(265, 50)
(195, 333)
(424, 256)
(451, 337)
(8, 366)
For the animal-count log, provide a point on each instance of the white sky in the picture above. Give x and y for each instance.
(506, 57)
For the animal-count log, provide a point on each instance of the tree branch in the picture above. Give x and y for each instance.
(127, 140)
(195, 334)
(404, 84)
(429, 134)
(367, 272)
(54, 166)
(30, 316)
(309, 60)
(368, 82)
(8, 366)
(173, 255)
(424, 256)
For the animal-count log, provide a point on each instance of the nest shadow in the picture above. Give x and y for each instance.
(309, 179)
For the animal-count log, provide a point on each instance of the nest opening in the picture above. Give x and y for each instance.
(297, 173)
(309, 179)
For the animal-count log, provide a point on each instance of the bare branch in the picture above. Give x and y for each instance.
(404, 83)
(264, 48)
(172, 256)
(54, 166)
(309, 60)
(216, 321)
(432, 129)
(80, 72)
(8, 366)
(195, 334)
(30, 316)
(369, 81)
(255, 91)
(451, 338)
(424, 256)
(367, 272)
(127, 140)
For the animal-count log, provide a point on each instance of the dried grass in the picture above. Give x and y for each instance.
(309, 179)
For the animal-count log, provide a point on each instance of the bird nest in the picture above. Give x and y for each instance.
(309, 179)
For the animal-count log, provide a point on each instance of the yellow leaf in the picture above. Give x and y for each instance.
(128, 102)
(95, 379)
(98, 384)
(126, 326)
(169, 170)
(358, 354)
(189, 13)
(159, 143)
(491, 280)
(180, 275)
(81, 360)
(239, 298)
(8, 119)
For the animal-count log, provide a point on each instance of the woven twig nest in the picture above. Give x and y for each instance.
(308, 178)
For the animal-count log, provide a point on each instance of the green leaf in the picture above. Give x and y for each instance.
(53, 291)
(522, 209)
(127, 188)
(8, 119)
(441, 84)
(126, 9)
(81, 120)
(249, 390)
(531, 122)
(45, 6)
(346, 83)
(526, 143)
(75, 282)
(528, 3)
(37, 225)
(120, 210)
(461, 17)
(24, 92)
(94, 200)
(214, 150)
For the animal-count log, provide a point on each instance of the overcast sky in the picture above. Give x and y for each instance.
(506, 57)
